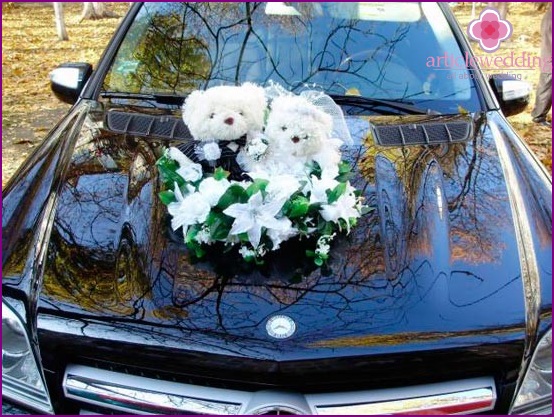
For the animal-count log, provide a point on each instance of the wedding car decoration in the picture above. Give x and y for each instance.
(288, 180)
(220, 119)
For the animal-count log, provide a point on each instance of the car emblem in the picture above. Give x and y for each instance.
(280, 327)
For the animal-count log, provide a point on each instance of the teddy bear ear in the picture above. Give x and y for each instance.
(255, 92)
(279, 103)
(191, 102)
(325, 119)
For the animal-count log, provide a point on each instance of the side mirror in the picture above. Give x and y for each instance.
(512, 94)
(67, 81)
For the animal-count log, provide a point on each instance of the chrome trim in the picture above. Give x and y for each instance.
(471, 395)
(119, 392)
(135, 394)
(452, 403)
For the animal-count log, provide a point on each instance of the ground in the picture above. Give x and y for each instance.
(30, 50)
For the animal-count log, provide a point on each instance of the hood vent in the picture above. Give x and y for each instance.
(423, 133)
(166, 127)
(427, 133)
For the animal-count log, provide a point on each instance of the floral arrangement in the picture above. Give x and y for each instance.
(269, 206)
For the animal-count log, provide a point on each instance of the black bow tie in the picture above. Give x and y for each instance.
(189, 148)
(240, 142)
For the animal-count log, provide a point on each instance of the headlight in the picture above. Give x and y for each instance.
(535, 393)
(22, 380)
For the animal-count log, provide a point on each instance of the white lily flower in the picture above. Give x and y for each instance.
(213, 189)
(188, 170)
(190, 173)
(203, 236)
(254, 215)
(319, 188)
(280, 236)
(282, 186)
(188, 210)
(344, 208)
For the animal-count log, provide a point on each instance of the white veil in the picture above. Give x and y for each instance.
(321, 101)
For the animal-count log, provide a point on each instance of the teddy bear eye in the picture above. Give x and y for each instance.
(212, 115)
(283, 128)
(241, 113)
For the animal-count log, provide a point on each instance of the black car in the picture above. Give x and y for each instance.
(438, 301)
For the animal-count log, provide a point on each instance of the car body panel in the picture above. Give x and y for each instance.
(448, 275)
(433, 266)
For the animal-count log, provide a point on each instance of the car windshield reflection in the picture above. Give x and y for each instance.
(360, 49)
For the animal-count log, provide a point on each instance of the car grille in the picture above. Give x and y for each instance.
(107, 391)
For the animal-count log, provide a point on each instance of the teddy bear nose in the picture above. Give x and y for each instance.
(229, 121)
(295, 139)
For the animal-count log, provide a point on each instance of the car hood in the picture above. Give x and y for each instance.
(433, 265)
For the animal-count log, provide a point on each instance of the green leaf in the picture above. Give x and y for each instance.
(302, 228)
(243, 237)
(315, 208)
(191, 242)
(319, 260)
(219, 224)
(220, 174)
(299, 207)
(258, 185)
(344, 168)
(191, 234)
(345, 172)
(234, 194)
(315, 169)
(167, 197)
(167, 168)
(334, 194)
(166, 163)
(325, 228)
(199, 251)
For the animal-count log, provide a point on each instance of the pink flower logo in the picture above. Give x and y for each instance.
(490, 29)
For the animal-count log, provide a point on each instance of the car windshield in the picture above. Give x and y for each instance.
(381, 51)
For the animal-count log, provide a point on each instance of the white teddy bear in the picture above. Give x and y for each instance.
(220, 120)
(299, 132)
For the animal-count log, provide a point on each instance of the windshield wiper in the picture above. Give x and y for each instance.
(371, 104)
(158, 98)
(354, 101)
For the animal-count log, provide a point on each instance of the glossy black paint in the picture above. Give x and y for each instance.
(509, 107)
(67, 94)
(427, 288)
